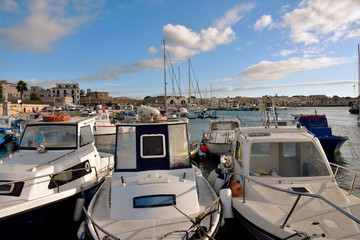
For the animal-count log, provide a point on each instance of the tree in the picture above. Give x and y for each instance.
(21, 87)
(82, 93)
(34, 96)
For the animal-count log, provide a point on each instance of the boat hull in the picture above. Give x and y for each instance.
(218, 148)
(251, 230)
(104, 130)
(42, 222)
(332, 143)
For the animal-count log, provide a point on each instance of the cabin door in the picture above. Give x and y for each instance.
(152, 148)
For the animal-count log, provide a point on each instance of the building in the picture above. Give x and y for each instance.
(96, 98)
(43, 94)
(67, 90)
(10, 90)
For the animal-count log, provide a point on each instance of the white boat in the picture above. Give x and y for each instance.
(220, 135)
(56, 163)
(288, 188)
(103, 124)
(154, 192)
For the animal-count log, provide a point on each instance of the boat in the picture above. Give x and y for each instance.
(57, 163)
(287, 187)
(318, 125)
(103, 124)
(155, 192)
(220, 135)
(213, 114)
(5, 128)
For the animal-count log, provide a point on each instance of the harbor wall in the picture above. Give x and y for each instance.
(21, 108)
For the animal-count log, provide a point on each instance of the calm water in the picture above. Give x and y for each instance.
(342, 122)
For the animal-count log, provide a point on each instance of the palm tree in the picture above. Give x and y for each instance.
(21, 88)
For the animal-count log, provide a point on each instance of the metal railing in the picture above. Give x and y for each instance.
(355, 173)
(299, 194)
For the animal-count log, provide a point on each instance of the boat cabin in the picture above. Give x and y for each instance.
(58, 135)
(273, 153)
(317, 124)
(152, 146)
(224, 125)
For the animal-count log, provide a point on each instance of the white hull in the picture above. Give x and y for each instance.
(218, 148)
(104, 130)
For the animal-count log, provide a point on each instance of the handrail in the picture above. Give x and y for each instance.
(349, 170)
(299, 194)
(100, 228)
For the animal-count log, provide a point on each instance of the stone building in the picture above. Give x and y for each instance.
(96, 98)
(10, 90)
(67, 90)
(43, 94)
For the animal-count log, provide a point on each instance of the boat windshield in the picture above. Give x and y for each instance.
(51, 136)
(287, 159)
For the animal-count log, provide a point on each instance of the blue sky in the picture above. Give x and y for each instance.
(236, 48)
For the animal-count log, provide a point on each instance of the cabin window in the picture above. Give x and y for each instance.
(322, 122)
(289, 149)
(179, 149)
(126, 148)
(313, 122)
(287, 159)
(152, 146)
(238, 153)
(86, 136)
(70, 174)
(154, 201)
(51, 136)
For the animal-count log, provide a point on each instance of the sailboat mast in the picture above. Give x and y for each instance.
(189, 83)
(359, 77)
(165, 78)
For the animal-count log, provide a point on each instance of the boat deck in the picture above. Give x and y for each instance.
(148, 228)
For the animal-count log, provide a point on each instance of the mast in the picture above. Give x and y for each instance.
(359, 77)
(165, 78)
(189, 83)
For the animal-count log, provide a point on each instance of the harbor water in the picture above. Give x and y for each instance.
(339, 119)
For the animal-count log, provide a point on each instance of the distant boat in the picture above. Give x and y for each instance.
(103, 124)
(318, 125)
(220, 135)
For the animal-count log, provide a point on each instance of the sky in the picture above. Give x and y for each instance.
(226, 48)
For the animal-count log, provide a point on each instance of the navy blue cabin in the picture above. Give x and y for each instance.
(151, 146)
(317, 124)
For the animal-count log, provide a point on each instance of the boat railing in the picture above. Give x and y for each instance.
(299, 194)
(51, 175)
(355, 173)
(219, 137)
(88, 218)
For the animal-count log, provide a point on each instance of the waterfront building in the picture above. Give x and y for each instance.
(10, 90)
(67, 90)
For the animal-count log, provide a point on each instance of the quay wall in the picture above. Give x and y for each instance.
(21, 108)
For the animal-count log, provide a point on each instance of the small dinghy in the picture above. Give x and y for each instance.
(155, 192)
(57, 162)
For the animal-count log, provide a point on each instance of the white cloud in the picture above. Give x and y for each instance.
(46, 23)
(207, 39)
(9, 6)
(315, 20)
(111, 72)
(263, 22)
(233, 15)
(285, 53)
(226, 80)
(152, 49)
(266, 70)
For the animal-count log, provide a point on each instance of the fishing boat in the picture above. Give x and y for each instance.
(103, 124)
(318, 125)
(56, 164)
(220, 135)
(155, 192)
(288, 188)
